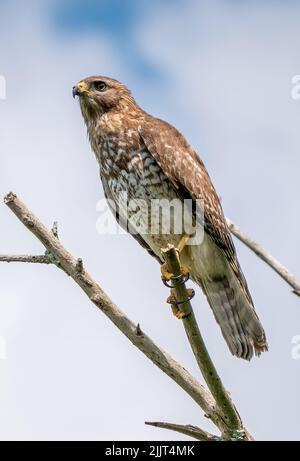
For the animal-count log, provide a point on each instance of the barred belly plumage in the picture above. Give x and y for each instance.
(142, 194)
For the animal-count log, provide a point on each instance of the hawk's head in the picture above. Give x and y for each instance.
(100, 94)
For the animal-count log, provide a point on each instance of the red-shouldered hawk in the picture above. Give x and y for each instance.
(143, 159)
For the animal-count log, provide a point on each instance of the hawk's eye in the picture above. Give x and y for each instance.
(100, 86)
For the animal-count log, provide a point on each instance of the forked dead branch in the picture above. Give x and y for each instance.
(214, 401)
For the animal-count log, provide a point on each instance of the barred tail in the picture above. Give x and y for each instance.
(237, 318)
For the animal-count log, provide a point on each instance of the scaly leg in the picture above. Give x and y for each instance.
(182, 242)
(176, 311)
(181, 246)
(174, 306)
(165, 274)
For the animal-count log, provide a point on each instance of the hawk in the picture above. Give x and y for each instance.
(143, 159)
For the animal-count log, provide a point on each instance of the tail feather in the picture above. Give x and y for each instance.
(237, 318)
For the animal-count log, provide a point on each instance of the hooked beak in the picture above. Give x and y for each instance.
(79, 89)
(75, 91)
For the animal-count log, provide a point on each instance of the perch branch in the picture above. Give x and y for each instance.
(192, 431)
(266, 257)
(216, 404)
(201, 354)
(40, 259)
(74, 267)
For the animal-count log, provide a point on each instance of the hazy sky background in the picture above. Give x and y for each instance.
(221, 72)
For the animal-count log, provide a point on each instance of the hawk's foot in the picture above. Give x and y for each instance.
(174, 304)
(175, 309)
(184, 270)
(171, 299)
(165, 274)
(178, 313)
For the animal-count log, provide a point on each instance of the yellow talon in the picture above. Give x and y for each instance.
(165, 274)
(179, 314)
(175, 310)
(171, 300)
(184, 270)
(174, 305)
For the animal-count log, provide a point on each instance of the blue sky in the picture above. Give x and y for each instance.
(118, 20)
(221, 72)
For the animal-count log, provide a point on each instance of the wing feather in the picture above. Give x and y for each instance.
(184, 168)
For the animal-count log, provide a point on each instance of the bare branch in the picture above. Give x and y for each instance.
(216, 404)
(133, 332)
(39, 259)
(266, 257)
(201, 354)
(192, 431)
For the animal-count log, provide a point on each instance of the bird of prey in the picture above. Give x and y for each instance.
(145, 159)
